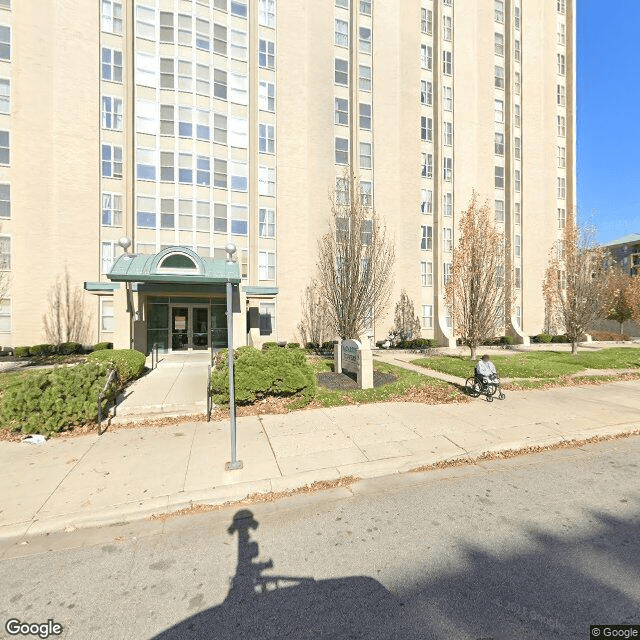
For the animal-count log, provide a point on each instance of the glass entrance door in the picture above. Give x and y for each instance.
(190, 327)
(179, 328)
(200, 327)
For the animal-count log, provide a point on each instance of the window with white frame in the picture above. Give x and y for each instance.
(111, 64)
(426, 201)
(447, 63)
(517, 180)
(447, 204)
(107, 320)
(561, 6)
(185, 168)
(267, 313)
(426, 56)
(5, 253)
(111, 160)
(562, 188)
(203, 171)
(426, 92)
(517, 148)
(5, 201)
(267, 181)
(364, 40)
(267, 13)
(220, 173)
(185, 75)
(365, 7)
(426, 239)
(146, 70)
(426, 169)
(447, 3)
(146, 212)
(167, 73)
(447, 134)
(516, 50)
(107, 256)
(112, 113)
(239, 8)
(167, 213)
(5, 148)
(220, 128)
(366, 193)
(238, 88)
(267, 138)
(499, 11)
(342, 150)
(562, 157)
(220, 217)
(446, 273)
(447, 239)
(5, 43)
(239, 220)
(499, 206)
(426, 21)
(447, 98)
(516, 212)
(167, 119)
(266, 54)
(426, 129)
(498, 147)
(267, 96)
(561, 96)
(427, 316)
(516, 115)
(447, 169)
(516, 82)
(341, 113)
(266, 265)
(561, 64)
(238, 176)
(5, 315)
(342, 191)
(499, 178)
(111, 209)
(562, 218)
(112, 16)
(365, 116)
(203, 126)
(185, 26)
(238, 44)
(499, 77)
(167, 24)
(426, 274)
(146, 117)
(5, 95)
(517, 277)
(238, 132)
(516, 16)
(145, 164)
(499, 44)
(447, 28)
(562, 38)
(366, 153)
(364, 77)
(145, 22)
(498, 111)
(561, 125)
(517, 246)
(341, 33)
(220, 39)
(267, 223)
(341, 75)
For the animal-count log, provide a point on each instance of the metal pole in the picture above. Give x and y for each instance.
(235, 463)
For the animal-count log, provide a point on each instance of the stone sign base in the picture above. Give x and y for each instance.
(351, 357)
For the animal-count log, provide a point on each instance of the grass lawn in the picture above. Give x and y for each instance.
(539, 364)
(406, 380)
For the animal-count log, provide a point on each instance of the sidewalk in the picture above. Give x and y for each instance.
(132, 473)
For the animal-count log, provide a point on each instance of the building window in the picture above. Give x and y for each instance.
(517, 246)
(447, 205)
(562, 188)
(561, 95)
(365, 40)
(426, 170)
(516, 16)
(266, 137)
(516, 212)
(111, 160)
(516, 50)
(220, 128)
(426, 56)
(267, 54)
(145, 22)
(238, 132)
(267, 312)
(111, 113)
(561, 34)
(266, 181)
(560, 5)
(185, 77)
(342, 151)
(366, 193)
(220, 84)
(166, 27)
(518, 277)
(220, 173)
(517, 148)
(111, 16)
(267, 223)
(364, 78)
(447, 134)
(499, 77)
(365, 116)
(365, 7)
(220, 39)
(267, 13)
(185, 168)
(499, 44)
(267, 96)
(342, 191)
(107, 321)
(167, 213)
(342, 33)
(111, 64)
(239, 220)
(447, 98)
(426, 201)
(426, 274)
(238, 88)
(426, 240)
(499, 204)
(107, 255)
(446, 273)
(562, 130)
(145, 164)
(426, 21)
(146, 117)
(185, 36)
(5, 201)
(447, 173)
(517, 180)
(447, 63)
(561, 64)
(562, 157)
(366, 155)
(167, 121)
(167, 71)
(266, 265)
(167, 166)
(203, 171)
(341, 72)
(146, 212)
(5, 315)
(426, 92)
(447, 239)
(499, 11)
(426, 129)
(111, 210)
(499, 144)
(516, 115)
(427, 316)
(498, 111)
(562, 218)
(341, 112)
(499, 178)
(239, 8)
(447, 28)
(5, 95)
(5, 253)
(447, 3)
(238, 173)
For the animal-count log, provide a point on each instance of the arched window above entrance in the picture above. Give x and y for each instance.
(178, 263)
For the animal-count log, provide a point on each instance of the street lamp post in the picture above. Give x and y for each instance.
(235, 463)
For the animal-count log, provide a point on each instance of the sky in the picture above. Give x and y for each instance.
(608, 115)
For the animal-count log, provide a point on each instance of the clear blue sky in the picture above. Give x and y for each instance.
(608, 114)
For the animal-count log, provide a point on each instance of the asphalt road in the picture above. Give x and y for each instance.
(535, 547)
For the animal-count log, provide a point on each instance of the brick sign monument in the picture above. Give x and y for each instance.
(351, 357)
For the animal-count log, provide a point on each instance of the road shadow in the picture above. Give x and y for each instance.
(270, 607)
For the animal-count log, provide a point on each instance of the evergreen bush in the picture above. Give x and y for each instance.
(21, 351)
(69, 348)
(269, 345)
(103, 345)
(42, 350)
(544, 338)
(128, 362)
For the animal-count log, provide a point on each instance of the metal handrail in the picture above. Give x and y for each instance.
(102, 396)
(209, 403)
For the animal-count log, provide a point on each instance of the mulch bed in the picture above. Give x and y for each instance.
(331, 380)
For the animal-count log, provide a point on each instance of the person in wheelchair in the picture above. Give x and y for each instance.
(485, 371)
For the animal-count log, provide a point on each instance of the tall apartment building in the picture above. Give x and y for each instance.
(188, 124)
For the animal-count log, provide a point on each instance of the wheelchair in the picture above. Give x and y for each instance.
(476, 386)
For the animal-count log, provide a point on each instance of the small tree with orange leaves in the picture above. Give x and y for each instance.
(476, 293)
(577, 281)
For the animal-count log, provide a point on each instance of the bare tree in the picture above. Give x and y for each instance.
(577, 281)
(355, 260)
(620, 297)
(315, 326)
(67, 318)
(476, 293)
(407, 323)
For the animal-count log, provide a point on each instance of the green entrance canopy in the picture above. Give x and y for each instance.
(173, 265)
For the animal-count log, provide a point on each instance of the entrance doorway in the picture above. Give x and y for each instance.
(190, 327)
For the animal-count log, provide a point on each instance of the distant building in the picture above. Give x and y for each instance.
(626, 252)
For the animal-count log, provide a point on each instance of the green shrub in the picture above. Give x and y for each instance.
(506, 340)
(544, 338)
(293, 345)
(42, 350)
(421, 343)
(312, 346)
(328, 346)
(272, 372)
(561, 339)
(69, 348)
(269, 345)
(103, 345)
(21, 351)
(52, 400)
(129, 363)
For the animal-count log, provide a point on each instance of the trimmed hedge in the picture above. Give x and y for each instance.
(609, 336)
(269, 345)
(103, 345)
(416, 343)
(42, 350)
(50, 401)
(129, 363)
(272, 372)
(544, 338)
(21, 351)
(69, 348)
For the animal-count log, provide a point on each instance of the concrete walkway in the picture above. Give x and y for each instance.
(135, 472)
